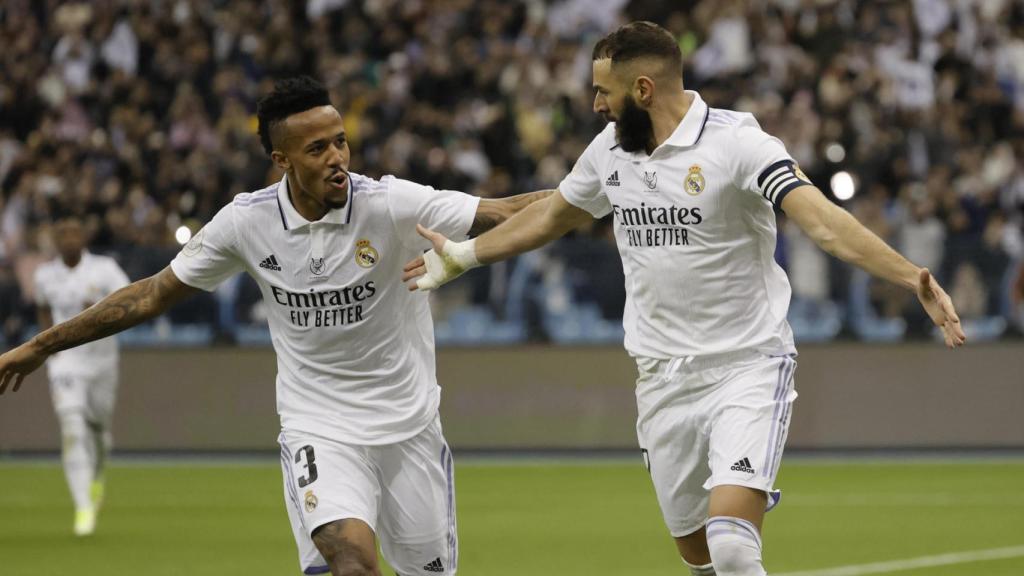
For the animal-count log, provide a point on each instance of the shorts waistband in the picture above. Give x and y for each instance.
(691, 363)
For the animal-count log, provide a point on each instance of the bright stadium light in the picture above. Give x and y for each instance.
(843, 186)
(182, 235)
(835, 152)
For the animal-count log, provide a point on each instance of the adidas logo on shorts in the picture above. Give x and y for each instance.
(270, 263)
(434, 566)
(742, 465)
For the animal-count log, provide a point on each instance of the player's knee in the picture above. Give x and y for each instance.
(693, 548)
(344, 554)
(73, 424)
(74, 432)
(346, 568)
(350, 563)
(735, 547)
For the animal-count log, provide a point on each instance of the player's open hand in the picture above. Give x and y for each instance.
(939, 306)
(17, 364)
(446, 261)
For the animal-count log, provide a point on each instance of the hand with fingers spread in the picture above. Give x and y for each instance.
(18, 363)
(443, 263)
(939, 306)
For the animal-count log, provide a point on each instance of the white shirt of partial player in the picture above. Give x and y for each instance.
(695, 228)
(68, 291)
(358, 364)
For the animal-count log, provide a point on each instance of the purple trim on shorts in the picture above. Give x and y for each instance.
(775, 417)
(286, 464)
(453, 539)
(773, 465)
(317, 570)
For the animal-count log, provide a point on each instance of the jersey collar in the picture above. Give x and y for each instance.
(692, 125)
(292, 220)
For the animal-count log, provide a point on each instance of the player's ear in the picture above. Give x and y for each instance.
(281, 160)
(643, 90)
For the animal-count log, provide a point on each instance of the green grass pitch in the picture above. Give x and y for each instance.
(565, 518)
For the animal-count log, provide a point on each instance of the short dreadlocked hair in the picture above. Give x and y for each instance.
(290, 96)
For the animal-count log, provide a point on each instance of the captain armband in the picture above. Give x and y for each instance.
(777, 180)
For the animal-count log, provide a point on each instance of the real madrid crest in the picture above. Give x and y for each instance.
(366, 254)
(311, 501)
(695, 181)
(195, 245)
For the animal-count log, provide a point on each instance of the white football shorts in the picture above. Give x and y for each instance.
(405, 492)
(712, 421)
(92, 395)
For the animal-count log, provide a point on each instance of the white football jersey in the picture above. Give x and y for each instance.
(68, 291)
(695, 227)
(355, 348)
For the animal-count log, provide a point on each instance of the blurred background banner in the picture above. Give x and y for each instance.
(140, 117)
(544, 398)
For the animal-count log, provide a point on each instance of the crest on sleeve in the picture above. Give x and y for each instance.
(800, 173)
(695, 182)
(195, 245)
(366, 254)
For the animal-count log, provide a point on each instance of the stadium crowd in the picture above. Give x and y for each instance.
(139, 117)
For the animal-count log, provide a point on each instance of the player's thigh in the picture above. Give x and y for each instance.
(417, 529)
(672, 436)
(101, 396)
(69, 393)
(750, 426)
(324, 482)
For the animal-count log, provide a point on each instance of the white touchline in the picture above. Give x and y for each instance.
(912, 563)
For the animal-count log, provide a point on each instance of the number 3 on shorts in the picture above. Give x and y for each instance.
(310, 467)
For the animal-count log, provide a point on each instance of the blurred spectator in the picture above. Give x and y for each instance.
(139, 116)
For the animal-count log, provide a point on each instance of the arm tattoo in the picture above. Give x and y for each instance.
(123, 309)
(490, 213)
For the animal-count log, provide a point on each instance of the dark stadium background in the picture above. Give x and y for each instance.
(139, 116)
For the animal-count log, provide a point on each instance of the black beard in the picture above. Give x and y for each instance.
(633, 129)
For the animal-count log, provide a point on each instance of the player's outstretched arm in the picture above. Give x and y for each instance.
(532, 227)
(492, 212)
(123, 309)
(840, 234)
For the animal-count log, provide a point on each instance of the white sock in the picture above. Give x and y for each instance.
(79, 454)
(705, 570)
(735, 547)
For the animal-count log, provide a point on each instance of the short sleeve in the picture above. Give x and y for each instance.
(446, 211)
(582, 186)
(763, 166)
(115, 277)
(211, 256)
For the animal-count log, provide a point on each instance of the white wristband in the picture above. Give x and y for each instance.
(462, 254)
(455, 258)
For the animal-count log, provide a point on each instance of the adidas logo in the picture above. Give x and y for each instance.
(612, 180)
(434, 566)
(742, 465)
(270, 263)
